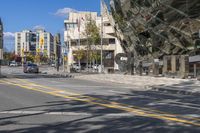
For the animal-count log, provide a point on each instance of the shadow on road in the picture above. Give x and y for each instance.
(35, 76)
(98, 120)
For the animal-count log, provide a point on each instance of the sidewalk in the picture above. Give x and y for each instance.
(183, 86)
(61, 73)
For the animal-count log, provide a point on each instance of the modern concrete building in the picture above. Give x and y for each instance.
(38, 41)
(1, 40)
(44, 43)
(75, 32)
(25, 41)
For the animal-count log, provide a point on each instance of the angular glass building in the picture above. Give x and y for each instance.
(155, 28)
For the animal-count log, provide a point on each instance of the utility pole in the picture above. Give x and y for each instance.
(63, 62)
(0, 67)
(1, 44)
(63, 55)
(57, 44)
(101, 36)
(79, 41)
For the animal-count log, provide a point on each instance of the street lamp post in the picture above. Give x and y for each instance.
(79, 42)
(63, 51)
(63, 62)
(0, 68)
(101, 41)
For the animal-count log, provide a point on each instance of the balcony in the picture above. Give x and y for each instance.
(96, 47)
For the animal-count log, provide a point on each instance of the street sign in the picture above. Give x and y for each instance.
(65, 54)
(65, 51)
(38, 50)
(41, 40)
(156, 60)
(124, 58)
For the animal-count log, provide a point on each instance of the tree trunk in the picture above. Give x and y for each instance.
(87, 56)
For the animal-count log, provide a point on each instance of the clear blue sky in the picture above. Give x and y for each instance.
(26, 14)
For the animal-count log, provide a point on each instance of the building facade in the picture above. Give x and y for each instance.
(38, 41)
(75, 38)
(176, 66)
(44, 43)
(1, 40)
(25, 41)
(194, 66)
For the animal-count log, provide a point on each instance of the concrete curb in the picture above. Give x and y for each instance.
(173, 90)
(3, 76)
(61, 75)
(64, 75)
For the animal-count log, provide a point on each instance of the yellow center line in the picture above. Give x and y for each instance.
(115, 103)
(118, 106)
(46, 87)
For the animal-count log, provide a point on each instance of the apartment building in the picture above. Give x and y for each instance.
(75, 38)
(25, 41)
(38, 41)
(44, 43)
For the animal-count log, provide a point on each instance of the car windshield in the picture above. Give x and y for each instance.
(33, 65)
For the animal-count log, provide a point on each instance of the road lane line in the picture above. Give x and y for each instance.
(118, 106)
(118, 92)
(46, 87)
(92, 98)
(64, 113)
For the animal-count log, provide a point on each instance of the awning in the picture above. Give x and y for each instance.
(193, 59)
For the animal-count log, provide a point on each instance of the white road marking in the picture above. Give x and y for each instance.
(63, 113)
(118, 92)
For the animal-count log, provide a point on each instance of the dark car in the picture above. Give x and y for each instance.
(31, 68)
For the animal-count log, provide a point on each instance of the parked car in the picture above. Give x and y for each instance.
(31, 68)
(76, 67)
(13, 64)
(53, 65)
(95, 67)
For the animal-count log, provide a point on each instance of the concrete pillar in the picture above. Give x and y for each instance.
(156, 69)
(1, 54)
(184, 66)
(173, 63)
(195, 70)
(69, 57)
(165, 58)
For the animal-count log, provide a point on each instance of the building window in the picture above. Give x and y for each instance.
(112, 41)
(107, 24)
(169, 65)
(70, 25)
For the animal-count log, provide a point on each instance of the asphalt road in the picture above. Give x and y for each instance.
(41, 103)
